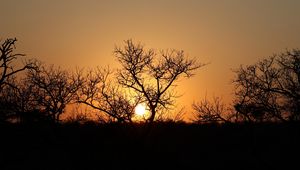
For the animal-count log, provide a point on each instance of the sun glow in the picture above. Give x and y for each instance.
(140, 109)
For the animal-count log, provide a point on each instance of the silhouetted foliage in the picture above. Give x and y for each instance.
(100, 92)
(270, 89)
(267, 90)
(52, 88)
(153, 77)
(8, 61)
(210, 112)
(10, 95)
(9, 104)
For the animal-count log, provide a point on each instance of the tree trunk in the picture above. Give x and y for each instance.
(151, 119)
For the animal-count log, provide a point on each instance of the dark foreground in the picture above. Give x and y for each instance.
(166, 146)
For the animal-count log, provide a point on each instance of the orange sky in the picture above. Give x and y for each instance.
(225, 33)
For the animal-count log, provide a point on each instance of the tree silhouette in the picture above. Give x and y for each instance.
(8, 59)
(52, 88)
(152, 77)
(270, 89)
(9, 100)
(106, 96)
(10, 94)
(210, 112)
(19, 100)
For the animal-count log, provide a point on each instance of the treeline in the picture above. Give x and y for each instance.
(268, 90)
(35, 92)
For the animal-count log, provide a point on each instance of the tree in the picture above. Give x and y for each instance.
(153, 77)
(53, 88)
(10, 94)
(270, 89)
(9, 100)
(210, 112)
(8, 59)
(19, 103)
(103, 94)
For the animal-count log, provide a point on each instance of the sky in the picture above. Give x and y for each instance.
(226, 34)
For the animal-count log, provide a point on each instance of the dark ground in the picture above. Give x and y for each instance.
(166, 146)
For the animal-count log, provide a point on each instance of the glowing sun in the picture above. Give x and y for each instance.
(140, 109)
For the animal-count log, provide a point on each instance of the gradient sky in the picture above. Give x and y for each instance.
(225, 33)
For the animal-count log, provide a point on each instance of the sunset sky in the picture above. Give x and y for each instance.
(223, 33)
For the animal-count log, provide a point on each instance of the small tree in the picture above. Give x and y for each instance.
(103, 94)
(19, 100)
(210, 112)
(270, 89)
(53, 88)
(153, 77)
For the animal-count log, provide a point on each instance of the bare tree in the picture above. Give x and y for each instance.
(270, 89)
(12, 99)
(210, 112)
(18, 102)
(8, 61)
(103, 94)
(53, 88)
(153, 77)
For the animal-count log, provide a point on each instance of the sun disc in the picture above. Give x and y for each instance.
(140, 109)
